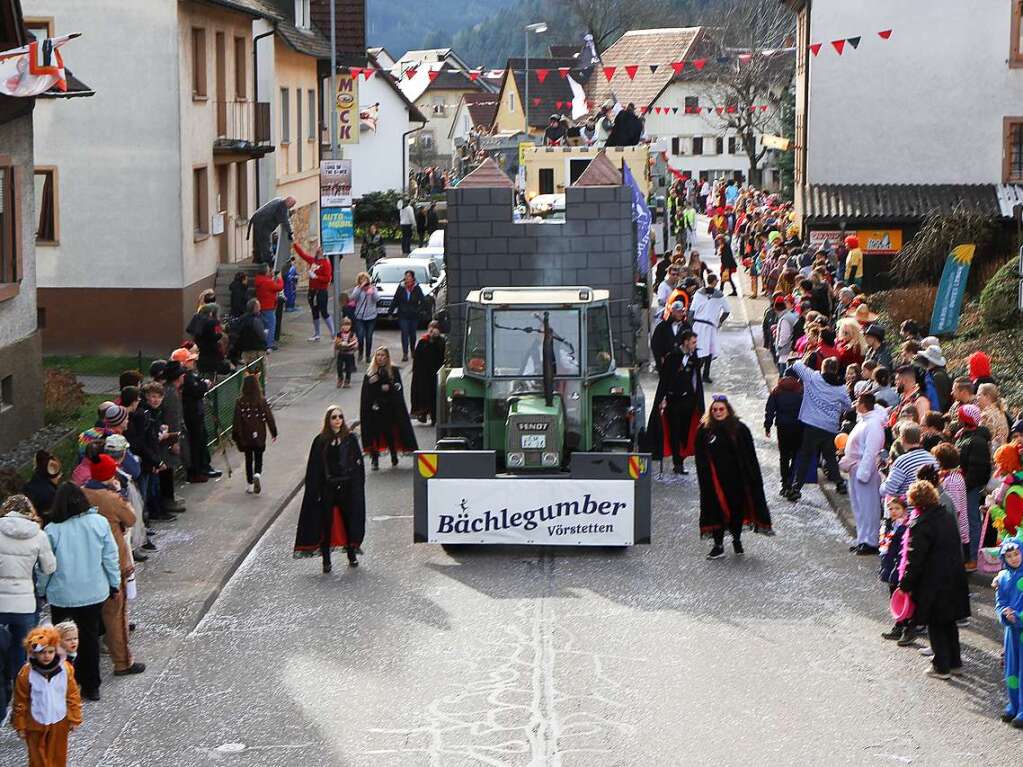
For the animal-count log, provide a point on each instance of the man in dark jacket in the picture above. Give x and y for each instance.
(974, 446)
(782, 410)
(249, 340)
(668, 334)
(193, 411)
(407, 305)
(264, 222)
(627, 129)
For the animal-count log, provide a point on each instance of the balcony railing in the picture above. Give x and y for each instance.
(243, 120)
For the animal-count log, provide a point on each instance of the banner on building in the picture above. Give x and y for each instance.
(780, 143)
(885, 241)
(348, 119)
(818, 239)
(553, 512)
(949, 301)
(34, 68)
(337, 231)
(335, 184)
(641, 217)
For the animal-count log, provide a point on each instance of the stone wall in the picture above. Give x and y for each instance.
(594, 247)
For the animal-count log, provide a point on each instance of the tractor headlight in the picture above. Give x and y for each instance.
(550, 459)
(516, 459)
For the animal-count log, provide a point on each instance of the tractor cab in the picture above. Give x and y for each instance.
(538, 380)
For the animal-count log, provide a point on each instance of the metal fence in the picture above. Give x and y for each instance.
(221, 397)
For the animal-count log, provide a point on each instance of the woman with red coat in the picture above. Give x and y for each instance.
(320, 274)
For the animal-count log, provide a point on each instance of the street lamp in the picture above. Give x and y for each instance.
(538, 28)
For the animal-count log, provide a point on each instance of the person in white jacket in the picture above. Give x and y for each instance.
(22, 545)
(860, 460)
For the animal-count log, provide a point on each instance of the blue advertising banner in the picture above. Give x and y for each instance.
(337, 231)
(641, 217)
(949, 301)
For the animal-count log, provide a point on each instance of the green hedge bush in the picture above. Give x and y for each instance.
(998, 300)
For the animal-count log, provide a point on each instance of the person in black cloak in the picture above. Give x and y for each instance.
(427, 359)
(678, 404)
(385, 420)
(333, 514)
(731, 486)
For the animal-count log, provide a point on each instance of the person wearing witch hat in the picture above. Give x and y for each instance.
(333, 514)
(731, 485)
(678, 404)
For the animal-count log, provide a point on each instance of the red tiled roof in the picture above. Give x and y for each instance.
(600, 172)
(487, 176)
(641, 47)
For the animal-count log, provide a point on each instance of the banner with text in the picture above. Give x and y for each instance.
(335, 183)
(347, 109)
(546, 512)
(949, 301)
(337, 232)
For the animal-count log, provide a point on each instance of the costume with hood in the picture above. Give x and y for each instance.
(866, 442)
(1009, 595)
(731, 485)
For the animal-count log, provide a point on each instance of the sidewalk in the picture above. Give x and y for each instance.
(198, 553)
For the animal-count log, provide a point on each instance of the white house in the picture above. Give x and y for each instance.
(155, 172)
(925, 112)
(698, 142)
(380, 159)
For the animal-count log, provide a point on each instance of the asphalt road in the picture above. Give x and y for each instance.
(582, 658)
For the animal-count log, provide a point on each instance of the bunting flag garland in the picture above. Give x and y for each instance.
(815, 48)
(631, 70)
(854, 41)
(674, 110)
(678, 66)
(653, 69)
(411, 72)
(884, 34)
(609, 72)
(367, 73)
(541, 74)
(355, 72)
(699, 64)
(557, 104)
(838, 45)
(474, 74)
(563, 71)
(433, 74)
(536, 101)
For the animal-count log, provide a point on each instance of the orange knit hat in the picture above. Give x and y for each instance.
(1007, 459)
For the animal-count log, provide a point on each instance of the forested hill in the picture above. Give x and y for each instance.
(488, 32)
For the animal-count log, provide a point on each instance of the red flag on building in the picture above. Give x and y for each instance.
(631, 70)
(541, 74)
(609, 72)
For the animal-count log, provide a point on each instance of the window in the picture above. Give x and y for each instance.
(676, 145)
(438, 105)
(692, 103)
(599, 351)
(302, 14)
(1016, 42)
(1012, 153)
(240, 59)
(311, 107)
(426, 139)
(198, 63)
(39, 28)
(545, 179)
(731, 145)
(46, 205)
(6, 393)
(576, 168)
(511, 102)
(298, 128)
(697, 144)
(10, 244)
(517, 342)
(285, 116)
(719, 145)
(241, 170)
(476, 342)
(200, 202)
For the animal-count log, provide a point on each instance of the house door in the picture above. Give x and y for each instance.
(220, 215)
(221, 85)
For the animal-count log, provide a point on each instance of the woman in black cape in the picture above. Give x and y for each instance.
(731, 486)
(385, 420)
(678, 405)
(427, 359)
(333, 514)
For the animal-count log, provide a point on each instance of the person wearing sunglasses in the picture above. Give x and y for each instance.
(731, 485)
(333, 514)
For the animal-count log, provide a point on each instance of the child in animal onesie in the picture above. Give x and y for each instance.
(1009, 609)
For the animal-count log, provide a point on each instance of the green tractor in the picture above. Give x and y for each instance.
(537, 429)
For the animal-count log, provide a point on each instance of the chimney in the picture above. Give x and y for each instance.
(351, 23)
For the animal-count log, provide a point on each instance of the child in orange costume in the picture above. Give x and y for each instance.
(47, 705)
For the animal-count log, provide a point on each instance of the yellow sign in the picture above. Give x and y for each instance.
(427, 464)
(776, 142)
(880, 240)
(963, 254)
(523, 146)
(347, 109)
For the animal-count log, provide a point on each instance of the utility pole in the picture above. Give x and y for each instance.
(334, 151)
